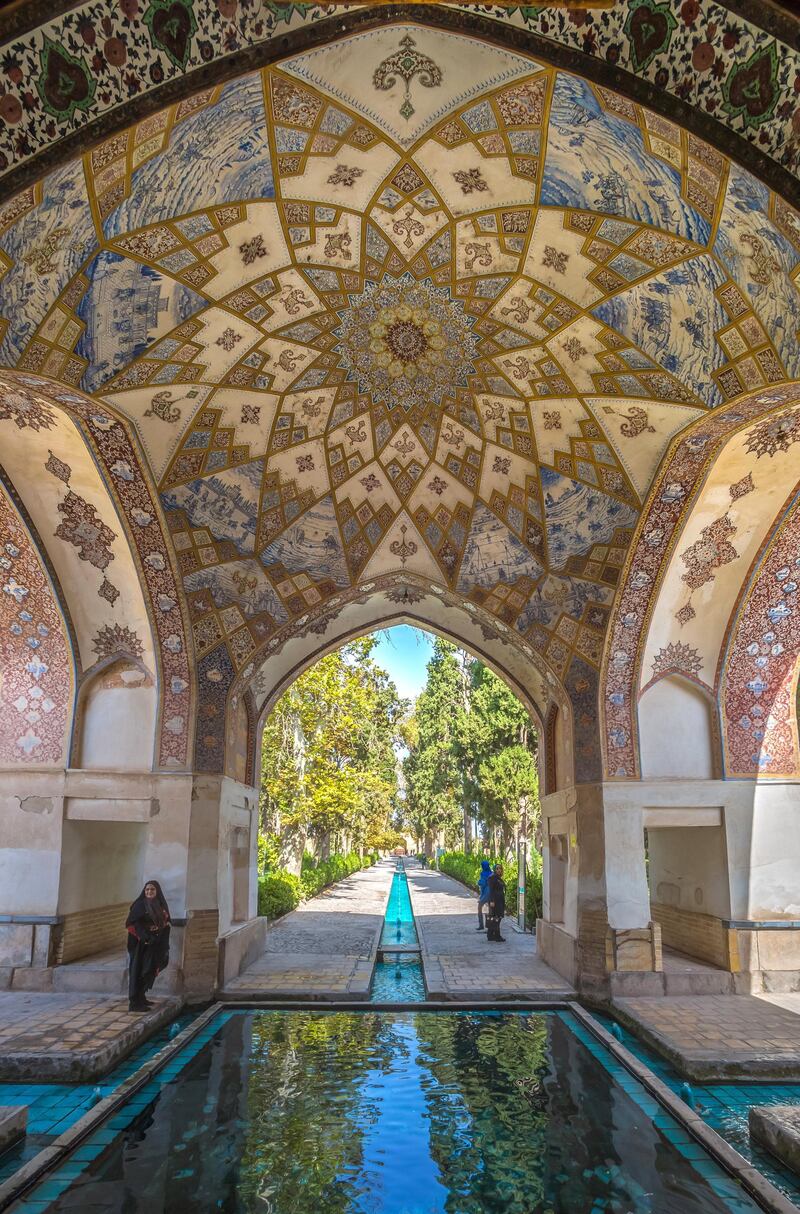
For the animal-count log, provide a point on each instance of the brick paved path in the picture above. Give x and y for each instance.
(459, 962)
(71, 1037)
(718, 1036)
(326, 948)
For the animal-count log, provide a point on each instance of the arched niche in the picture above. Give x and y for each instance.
(523, 672)
(677, 731)
(116, 721)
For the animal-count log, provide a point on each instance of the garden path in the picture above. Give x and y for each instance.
(460, 963)
(326, 948)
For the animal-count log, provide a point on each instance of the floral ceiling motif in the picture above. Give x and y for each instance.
(406, 343)
(460, 355)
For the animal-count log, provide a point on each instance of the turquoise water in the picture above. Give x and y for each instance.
(399, 980)
(54, 1107)
(398, 923)
(725, 1106)
(381, 1112)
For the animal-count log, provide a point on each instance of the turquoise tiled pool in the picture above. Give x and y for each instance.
(398, 979)
(54, 1107)
(725, 1107)
(380, 1112)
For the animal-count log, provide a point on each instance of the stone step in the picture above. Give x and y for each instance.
(88, 979)
(634, 984)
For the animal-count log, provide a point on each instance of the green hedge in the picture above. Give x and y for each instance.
(280, 891)
(467, 869)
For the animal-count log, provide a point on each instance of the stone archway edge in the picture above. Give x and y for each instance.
(76, 77)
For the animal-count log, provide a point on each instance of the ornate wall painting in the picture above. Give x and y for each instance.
(758, 688)
(674, 317)
(596, 160)
(216, 155)
(32, 403)
(37, 680)
(730, 520)
(404, 78)
(763, 262)
(640, 432)
(70, 506)
(127, 307)
(745, 81)
(674, 490)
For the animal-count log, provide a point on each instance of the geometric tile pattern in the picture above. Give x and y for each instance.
(446, 327)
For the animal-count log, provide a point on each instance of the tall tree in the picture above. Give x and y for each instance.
(472, 755)
(433, 775)
(329, 766)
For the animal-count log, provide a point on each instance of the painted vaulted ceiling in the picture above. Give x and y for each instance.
(408, 303)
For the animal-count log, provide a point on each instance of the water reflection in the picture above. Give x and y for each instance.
(390, 1113)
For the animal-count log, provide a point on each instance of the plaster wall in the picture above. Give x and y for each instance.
(688, 869)
(238, 830)
(31, 814)
(766, 853)
(675, 732)
(118, 727)
(223, 815)
(102, 863)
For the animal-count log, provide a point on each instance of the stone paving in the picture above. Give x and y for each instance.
(709, 1037)
(71, 1037)
(460, 963)
(324, 950)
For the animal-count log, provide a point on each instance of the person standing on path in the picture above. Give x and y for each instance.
(497, 904)
(483, 892)
(148, 944)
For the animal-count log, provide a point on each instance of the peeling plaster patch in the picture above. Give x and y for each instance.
(36, 805)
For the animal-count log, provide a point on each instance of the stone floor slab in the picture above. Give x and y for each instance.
(71, 1037)
(710, 1037)
(777, 1127)
(325, 950)
(460, 963)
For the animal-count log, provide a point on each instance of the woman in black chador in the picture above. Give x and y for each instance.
(148, 944)
(497, 904)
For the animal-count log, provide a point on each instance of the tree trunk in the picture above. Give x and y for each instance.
(292, 846)
(325, 847)
(467, 830)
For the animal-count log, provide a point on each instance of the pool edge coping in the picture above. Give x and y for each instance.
(30, 1173)
(765, 1194)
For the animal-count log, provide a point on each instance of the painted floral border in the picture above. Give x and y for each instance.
(73, 71)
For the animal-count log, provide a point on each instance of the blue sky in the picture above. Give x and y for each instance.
(404, 652)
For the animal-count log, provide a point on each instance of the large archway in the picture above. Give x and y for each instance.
(423, 327)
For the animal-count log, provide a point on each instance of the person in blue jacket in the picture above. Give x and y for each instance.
(483, 892)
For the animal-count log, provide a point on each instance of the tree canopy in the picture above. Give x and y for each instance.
(472, 755)
(329, 764)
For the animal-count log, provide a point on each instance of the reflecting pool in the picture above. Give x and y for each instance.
(380, 1112)
(399, 978)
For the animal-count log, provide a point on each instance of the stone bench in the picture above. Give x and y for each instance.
(13, 1123)
(777, 1127)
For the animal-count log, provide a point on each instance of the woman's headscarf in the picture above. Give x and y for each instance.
(155, 909)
